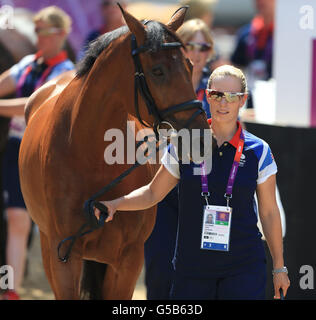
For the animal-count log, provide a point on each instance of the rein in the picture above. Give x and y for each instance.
(89, 205)
(159, 116)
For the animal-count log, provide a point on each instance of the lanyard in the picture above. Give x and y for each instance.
(232, 175)
(62, 56)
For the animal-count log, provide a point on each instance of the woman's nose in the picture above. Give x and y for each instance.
(223, 101)
(195, 52)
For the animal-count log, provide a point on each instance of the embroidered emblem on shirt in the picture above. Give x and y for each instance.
(242, 160)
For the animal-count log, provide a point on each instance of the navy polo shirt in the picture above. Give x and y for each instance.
(246, 246)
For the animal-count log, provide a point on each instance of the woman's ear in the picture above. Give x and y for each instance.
(243, 100)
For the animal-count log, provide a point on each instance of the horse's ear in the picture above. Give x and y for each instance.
(177, 18)
(134, 25)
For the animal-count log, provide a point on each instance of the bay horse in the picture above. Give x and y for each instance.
(62, 152)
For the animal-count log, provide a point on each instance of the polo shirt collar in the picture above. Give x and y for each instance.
(51, 62)
(60, 57)
(235, 139)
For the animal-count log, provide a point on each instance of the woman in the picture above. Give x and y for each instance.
(197, 37)
(52, 26)
(236, 267)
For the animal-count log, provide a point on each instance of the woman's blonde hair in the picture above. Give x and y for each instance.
(189, 28)
(229, 71)
(55, 17)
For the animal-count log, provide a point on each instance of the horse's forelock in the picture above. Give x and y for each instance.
(157, 34)
(154, 35)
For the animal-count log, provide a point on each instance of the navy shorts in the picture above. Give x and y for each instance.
(249, 285)
(13, 197)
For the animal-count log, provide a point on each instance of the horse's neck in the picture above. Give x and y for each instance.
(103, 100)
(95, 117)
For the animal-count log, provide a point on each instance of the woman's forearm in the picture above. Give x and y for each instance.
(272, 229)
(7, 84)
(148, 195)
(144, 197)
(139, 199)
(12, 107)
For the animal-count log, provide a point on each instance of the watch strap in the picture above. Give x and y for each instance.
(280, 270)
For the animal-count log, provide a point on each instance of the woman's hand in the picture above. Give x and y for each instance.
(280, 281)
(112, 207)
(142, 198)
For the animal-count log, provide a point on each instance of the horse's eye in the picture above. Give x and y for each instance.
(157, 71)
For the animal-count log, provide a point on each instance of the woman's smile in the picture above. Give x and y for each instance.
(222, 112)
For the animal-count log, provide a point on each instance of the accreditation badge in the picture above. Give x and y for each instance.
(216, 228)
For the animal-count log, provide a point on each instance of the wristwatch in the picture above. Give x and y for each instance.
(283, 269)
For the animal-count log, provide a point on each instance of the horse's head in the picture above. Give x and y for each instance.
(163, 77)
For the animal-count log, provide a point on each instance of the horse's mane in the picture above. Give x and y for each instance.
(155, 35)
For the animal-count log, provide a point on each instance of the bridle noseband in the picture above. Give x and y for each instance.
(142, 87)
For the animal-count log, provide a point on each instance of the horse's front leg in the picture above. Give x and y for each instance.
(64, 278)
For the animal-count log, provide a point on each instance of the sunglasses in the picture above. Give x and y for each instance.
(46, 31)
(202, 47)
(229, 96)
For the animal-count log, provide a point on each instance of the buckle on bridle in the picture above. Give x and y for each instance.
(173, 132)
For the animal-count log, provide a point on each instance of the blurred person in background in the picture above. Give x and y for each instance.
(254, 45)
(52, 26)
(201, 9)
(198, 41)
(112, 19)
(160, 246)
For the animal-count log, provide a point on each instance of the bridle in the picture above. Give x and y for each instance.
(160, 116)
